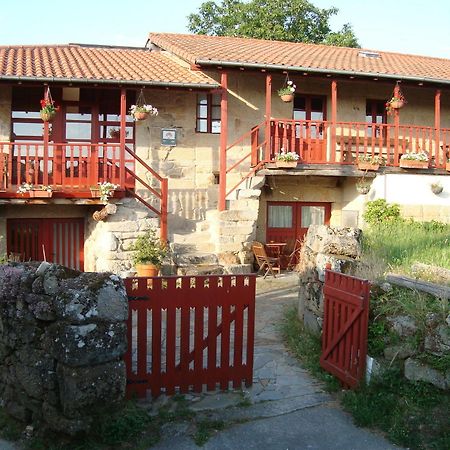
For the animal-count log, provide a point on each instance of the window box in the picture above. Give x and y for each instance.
(367, 165)
(413, 164)
(286, 164)
(40, 194)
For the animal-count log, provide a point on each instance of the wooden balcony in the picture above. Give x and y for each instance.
(341, 143)
(70, 169)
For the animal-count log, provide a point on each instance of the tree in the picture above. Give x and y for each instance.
(294, 20)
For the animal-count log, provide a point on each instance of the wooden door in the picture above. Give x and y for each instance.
(59, 241)
(311, 110)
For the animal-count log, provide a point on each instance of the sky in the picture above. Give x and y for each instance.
(404, 26)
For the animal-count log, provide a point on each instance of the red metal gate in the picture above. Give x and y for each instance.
(189, 332)
(344, 340)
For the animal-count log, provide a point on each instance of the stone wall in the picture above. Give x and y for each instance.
(62, 338)
(338, 246)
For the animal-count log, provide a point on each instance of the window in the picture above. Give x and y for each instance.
(208, 113)
(280, 216)
(376, 114)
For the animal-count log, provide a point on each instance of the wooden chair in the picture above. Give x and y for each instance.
(295, 255)
(268, 263)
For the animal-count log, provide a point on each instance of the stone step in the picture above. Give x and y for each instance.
(196, 259)
(201, 269)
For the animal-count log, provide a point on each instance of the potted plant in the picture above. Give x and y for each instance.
(141, 112)
(363, 186)
(286, 159)
(436, 188)
(414, 160)
(41, 191)
(369, 162)
(48, 109)
(447, 165)
(103, 190)
(286, 93)
(397, 101)
(149, 254)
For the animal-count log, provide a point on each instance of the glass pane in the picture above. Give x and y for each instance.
(216, 99)
(313, 215)
(317, 104)
(202, 126)
(26, 115)
(215, 113)
(299, 115)
(202, 111)
(280, 216)
(202, 99)
(77, 116)
(299, 103)
(316, 115)
(76, 130)
(215, 126)
(27, 129)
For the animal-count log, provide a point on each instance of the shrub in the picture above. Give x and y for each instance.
(379, 211)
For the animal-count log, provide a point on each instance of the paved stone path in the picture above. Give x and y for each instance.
(285, 408)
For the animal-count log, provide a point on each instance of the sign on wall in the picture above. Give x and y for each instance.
(169, 137)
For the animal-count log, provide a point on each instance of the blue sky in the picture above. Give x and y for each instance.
(405, 26)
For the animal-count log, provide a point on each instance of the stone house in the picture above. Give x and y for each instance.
(204, 170)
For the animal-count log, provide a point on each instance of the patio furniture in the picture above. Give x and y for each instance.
(268, 263)
(295, 255)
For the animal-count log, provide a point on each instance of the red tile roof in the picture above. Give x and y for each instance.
(104, 64)
(212, 50)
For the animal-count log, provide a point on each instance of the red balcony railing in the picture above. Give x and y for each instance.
(65, 167)
(322, 142)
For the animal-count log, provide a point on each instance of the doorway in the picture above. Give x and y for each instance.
(59, 241)
(288, 221)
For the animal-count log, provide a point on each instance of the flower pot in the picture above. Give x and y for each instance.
(363, 188)
(413, 164)
(40, 194)
(397, 104)
(287, 97)
(367, 165)
(95, 193)
(447, 167)
(140, 115)
(147, 270)
(286, 164)
(436, 189)
(47, 117)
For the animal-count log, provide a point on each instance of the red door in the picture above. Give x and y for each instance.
(288, 221)
(311, 110)
(59, 241)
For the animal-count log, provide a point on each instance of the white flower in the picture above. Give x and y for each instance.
(287, 156)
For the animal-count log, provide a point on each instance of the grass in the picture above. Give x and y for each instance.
(206, 428)
(401, 243)
(412, 414)
(306, 347)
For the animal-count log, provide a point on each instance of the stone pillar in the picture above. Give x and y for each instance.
(338, 246)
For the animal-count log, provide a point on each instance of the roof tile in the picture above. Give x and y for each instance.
(197, 49)
(83, 63)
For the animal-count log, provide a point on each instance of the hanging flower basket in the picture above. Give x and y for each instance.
(141, 110)
(48, 107)
(363, 186)
(47, 116)
(447, 166)
(436, 188)
(397, 100)
(287, 98)
(397, 103)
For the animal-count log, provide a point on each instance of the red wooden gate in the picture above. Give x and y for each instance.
(344, 340)
(188, 332)
(62, 240)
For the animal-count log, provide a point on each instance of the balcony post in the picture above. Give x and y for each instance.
(396, 127)
(123, 121)
(333, 119)
(437, 129)
(223, 141)
(267, 149)
(46, 139)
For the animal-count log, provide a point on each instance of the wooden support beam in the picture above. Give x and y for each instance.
(268, 115)
(333, 119)
(123, 121)
(223, 141)
(437, 126)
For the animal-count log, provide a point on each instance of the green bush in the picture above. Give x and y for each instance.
(149, 249)
(379, 211)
